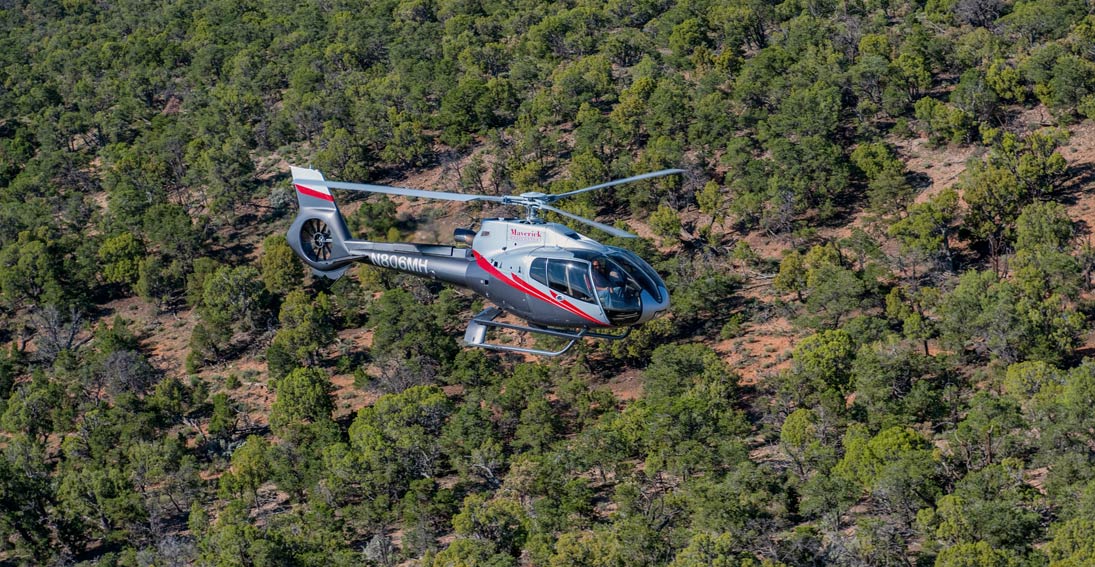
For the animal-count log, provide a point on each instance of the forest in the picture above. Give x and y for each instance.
(880, 263)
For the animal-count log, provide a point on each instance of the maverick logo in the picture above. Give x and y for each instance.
(420, 265)
(525, 234)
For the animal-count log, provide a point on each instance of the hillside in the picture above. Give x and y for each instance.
(879, 258)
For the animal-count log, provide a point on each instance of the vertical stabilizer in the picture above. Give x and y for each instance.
(319, 234)
(312, 190)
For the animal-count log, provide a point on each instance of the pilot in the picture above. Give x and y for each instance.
(607, 282)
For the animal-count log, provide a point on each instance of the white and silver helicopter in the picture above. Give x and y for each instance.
(564, 284)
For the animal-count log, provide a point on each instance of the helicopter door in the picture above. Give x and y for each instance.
(617, 290)
(566, 280)
(570, 277)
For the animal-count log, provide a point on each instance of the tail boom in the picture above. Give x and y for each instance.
(320, 238)
(445, 263)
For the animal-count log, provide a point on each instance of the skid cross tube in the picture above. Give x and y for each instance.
(477, 333)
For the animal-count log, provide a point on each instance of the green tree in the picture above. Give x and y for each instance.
(250, 469)
(875, 158)
(538, 427)
(792, 275)
(160, 280)
(586, 548)
(1042, 265)
(1072, 544)
(972, 95)
(687, 419)
(303, 396)
(1025, 379)
(169, 229)
(343, 156)
(1071, 79)
(408, 332)
(233, 299)
(408, 145)
(397, 438)
(986, 315)
(281, 271)
(985, 435)
(716, 550)
(224, 168)
(467, 552)
(500, 521)
(928, 228)
(1033, 159)
(979, 554)
(232, 539)
(834, 292)
(471, 442)
(806, 439)
(121, 257)
(32, 271)
(943, 122)
(222, 423)
(993, 505)
(24, 515)
(825, 359)
(101, 501)
(306, 329)
(896, 467)
(666, 222)
(374, 219)
(687, 36)
(896, 384)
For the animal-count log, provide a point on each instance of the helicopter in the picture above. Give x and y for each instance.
(562, 283)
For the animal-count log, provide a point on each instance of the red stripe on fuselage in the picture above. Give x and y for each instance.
(560, 302)
(314, 193)
(523, 286)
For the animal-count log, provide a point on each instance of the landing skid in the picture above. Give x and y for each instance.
(476, 335)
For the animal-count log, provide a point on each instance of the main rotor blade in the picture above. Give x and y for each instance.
(609, 229)
(388, 190)
(651, 175)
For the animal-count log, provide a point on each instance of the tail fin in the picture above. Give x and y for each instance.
(319, 233)
(312, 190)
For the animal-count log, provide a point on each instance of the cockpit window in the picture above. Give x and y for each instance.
(643, 273)
(617, 291)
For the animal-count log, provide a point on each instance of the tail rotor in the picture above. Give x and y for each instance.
(315, 239)
(319, 234)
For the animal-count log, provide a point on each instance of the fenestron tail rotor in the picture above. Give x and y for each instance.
(315, 239)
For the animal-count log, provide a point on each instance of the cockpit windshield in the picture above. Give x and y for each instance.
(617, 291)
(643, 274)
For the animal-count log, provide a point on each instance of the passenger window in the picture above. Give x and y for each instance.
(570, 278)
(578, 276)
(538, 270)
(557, 277)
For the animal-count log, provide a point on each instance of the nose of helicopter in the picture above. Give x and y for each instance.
(652, 307)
